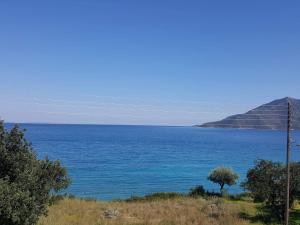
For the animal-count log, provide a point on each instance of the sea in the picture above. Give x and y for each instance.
(110, 162)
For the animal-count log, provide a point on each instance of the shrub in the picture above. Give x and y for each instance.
(197, 191)
(267, 182)
(26, 183)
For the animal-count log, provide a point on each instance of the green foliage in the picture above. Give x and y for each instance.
(244, 196)
(197, 191)
(155, 197)
(267, 183)
(223, 176)
(26, 183)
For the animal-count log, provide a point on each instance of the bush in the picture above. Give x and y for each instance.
(213, 194)
(26, 183)
(223, 176)
(197, 191)
(267, 183)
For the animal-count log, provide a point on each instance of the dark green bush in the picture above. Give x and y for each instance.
(267, 183)
(26, 183)
(197, 191)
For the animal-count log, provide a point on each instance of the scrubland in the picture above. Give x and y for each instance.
(178, 210)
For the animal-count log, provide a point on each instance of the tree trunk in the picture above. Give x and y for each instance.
(222, 186)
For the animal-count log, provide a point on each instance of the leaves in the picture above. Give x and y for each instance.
(26, 182)
(222, 176)
(267, 183)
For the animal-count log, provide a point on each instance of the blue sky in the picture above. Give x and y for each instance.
(145, 62)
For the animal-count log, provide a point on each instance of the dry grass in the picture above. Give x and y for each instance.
(179, 211)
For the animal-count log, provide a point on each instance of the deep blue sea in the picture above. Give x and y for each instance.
(115, 162)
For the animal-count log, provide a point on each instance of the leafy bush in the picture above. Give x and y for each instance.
(197, 191)
(26, 183)
(267, 182)
(213, 194)
(223, 176)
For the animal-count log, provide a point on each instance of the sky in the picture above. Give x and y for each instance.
(158, 62)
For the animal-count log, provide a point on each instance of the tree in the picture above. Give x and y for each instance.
(222, 176)
(26, 182)
(267, 183)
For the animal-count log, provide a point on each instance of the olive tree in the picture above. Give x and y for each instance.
(223, 176)
(26, 182)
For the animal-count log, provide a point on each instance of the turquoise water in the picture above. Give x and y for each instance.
(109, 162)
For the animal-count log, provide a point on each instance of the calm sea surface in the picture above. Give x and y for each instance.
(109, 162)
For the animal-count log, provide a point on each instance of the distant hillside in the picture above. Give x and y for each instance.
(272, 115)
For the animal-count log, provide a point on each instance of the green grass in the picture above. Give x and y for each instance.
(155, 197)
(259, 216)
(295, 214)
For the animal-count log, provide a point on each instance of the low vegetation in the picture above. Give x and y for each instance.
(175, 210)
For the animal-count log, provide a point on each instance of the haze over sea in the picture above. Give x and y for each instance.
(111, 162)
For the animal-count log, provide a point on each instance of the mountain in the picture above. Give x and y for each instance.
(272, 115)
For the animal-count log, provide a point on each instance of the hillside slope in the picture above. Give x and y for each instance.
(272, 115)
